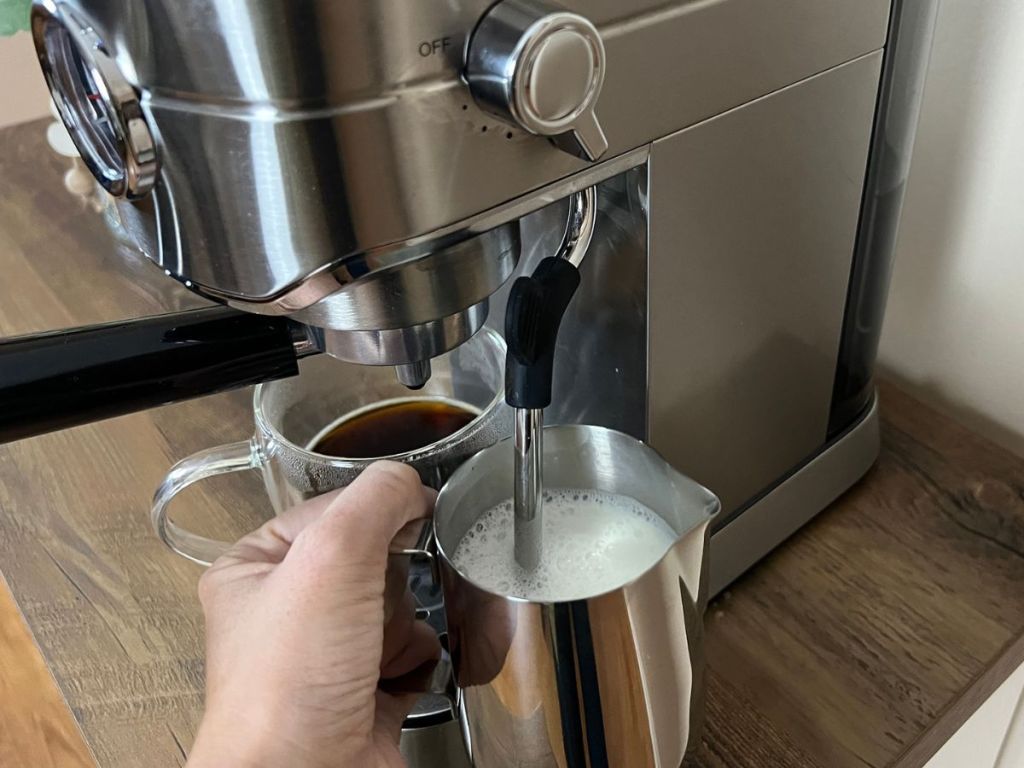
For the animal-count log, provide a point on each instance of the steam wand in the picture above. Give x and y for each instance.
(535, 309)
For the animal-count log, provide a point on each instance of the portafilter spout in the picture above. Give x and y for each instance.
(413, 375)
(409, 348)
(534, 314)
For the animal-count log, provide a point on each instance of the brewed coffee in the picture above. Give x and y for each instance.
(594, 542)
(392, 427)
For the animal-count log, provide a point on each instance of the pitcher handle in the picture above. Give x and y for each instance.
(416, 541)
(233, 457)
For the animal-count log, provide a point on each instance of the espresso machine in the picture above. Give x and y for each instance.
(362, 178)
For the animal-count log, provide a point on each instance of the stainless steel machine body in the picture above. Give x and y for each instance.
(373, 169)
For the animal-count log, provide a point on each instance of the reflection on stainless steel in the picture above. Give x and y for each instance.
(900, 97)
(528, 471)
(115, 141)
(356, 184)
(305, 340)
(741, 540)
(398, 346)
(434, 745)
(323, 131)
(579, 230)
(746, 312)
(414, 375)
(540, 68)
(439, 278)
(601, 359)
(613, 680)
(431, 736)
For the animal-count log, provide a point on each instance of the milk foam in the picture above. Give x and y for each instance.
(593, 542)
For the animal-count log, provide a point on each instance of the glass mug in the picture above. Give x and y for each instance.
(291, 414)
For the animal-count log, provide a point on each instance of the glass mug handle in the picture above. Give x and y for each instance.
(415, 540)
(233, 457)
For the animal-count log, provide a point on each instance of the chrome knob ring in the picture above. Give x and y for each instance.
(541, 68)
(97, 104)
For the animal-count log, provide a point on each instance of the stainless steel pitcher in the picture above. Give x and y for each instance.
(611, 681)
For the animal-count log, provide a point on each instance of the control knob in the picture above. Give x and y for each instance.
(541, 68)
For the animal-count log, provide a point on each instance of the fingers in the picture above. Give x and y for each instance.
(359, 523)
(364, 516)
(271, 541)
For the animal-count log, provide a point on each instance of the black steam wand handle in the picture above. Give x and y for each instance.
(61, 379)
(536, 305)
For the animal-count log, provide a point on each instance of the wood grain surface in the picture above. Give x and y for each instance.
(113, 612)
(864, 641)
(36, 728)
(871, 636)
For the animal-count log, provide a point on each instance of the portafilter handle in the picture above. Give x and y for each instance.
(61, 379)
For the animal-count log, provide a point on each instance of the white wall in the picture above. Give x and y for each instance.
(25, 94)
(954, 331)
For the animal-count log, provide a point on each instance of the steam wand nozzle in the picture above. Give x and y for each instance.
(536, 306)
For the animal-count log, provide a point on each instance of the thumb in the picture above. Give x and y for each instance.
(359, 523)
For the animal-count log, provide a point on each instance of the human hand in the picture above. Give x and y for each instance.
(303, 618)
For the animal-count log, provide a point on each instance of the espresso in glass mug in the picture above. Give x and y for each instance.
(318, 431)
(393, 427)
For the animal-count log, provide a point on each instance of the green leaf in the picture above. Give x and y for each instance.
(13, 16)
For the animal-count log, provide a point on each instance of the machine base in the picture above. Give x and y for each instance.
(782, 511)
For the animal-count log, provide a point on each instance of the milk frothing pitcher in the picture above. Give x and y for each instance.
(608, 681)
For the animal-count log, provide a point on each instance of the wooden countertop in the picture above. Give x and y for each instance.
(865, 640)
(870, 636)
